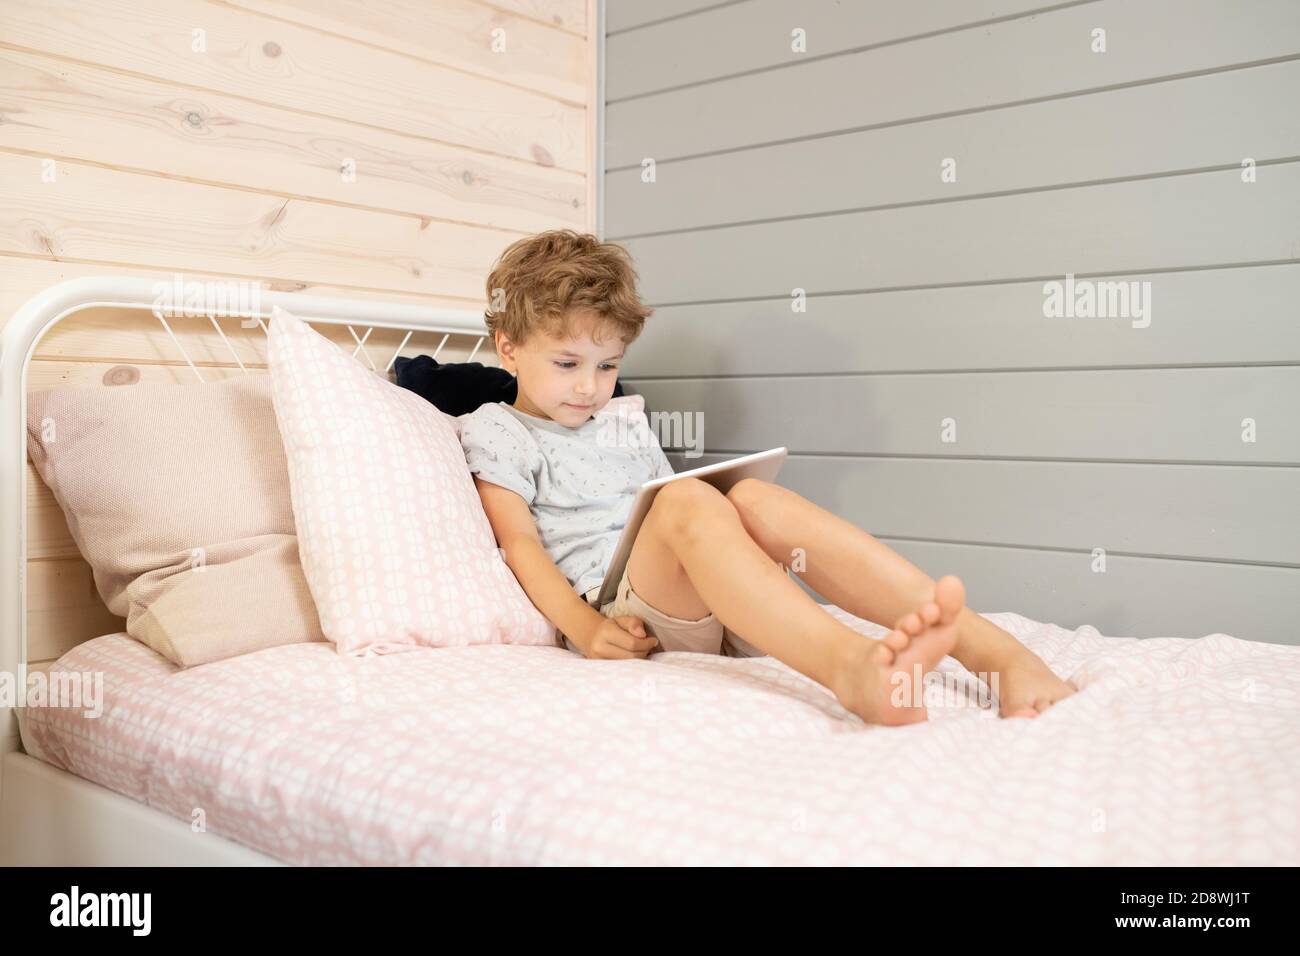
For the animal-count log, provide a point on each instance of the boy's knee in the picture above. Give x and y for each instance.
(748, 493)
(679, 503)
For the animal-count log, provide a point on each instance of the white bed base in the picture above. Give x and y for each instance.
(49, 817)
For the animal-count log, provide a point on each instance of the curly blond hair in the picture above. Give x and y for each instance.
(541, 283)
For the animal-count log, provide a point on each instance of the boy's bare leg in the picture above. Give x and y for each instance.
(693, 555)
(867, 578)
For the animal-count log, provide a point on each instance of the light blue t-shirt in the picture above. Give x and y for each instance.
(579, 483)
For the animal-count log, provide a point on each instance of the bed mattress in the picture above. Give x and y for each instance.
(1174, 751)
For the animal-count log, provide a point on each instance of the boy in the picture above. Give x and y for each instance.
(704, 568)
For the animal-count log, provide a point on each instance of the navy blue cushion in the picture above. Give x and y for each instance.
(459, 387)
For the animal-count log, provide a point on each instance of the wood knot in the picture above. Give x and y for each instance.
(122, 375)
(275, 217)
(45, 243)
(271, 48)
(543, 157)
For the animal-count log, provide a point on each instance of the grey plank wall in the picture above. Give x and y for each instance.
(1169, 441)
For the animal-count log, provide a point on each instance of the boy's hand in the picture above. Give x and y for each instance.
(619, 638)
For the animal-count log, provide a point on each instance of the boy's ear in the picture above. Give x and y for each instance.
(505, 348)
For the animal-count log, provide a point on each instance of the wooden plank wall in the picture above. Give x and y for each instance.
(339, 147)
(1171, 447)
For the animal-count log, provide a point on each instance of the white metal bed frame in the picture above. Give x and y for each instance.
(47, 815)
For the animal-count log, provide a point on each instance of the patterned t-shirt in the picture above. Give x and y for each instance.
(579, 483)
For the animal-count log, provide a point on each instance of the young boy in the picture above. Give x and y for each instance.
(705, 567)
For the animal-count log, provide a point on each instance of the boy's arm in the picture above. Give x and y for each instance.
(543, 582)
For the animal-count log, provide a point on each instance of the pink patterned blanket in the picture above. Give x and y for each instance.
(1174, 751)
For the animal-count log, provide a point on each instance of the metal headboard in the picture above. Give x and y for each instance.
(18, 341)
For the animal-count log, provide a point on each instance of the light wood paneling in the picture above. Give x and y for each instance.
(224, 163)
(23, 276)
(571, 15)
(295, 67)
(92, 213)
(543, 48)
(63, 608)
(73, 111)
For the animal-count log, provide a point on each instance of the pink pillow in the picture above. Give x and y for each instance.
(395, 545)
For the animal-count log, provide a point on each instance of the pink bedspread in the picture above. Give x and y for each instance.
(1174, 751)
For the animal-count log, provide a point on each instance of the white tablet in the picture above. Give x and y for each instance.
(721, 475)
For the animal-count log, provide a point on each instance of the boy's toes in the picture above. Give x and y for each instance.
(950, 595)
(930, 613)
(897, 640)
(910, 624)
(882, 654)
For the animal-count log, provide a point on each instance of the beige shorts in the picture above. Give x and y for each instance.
(704, 636)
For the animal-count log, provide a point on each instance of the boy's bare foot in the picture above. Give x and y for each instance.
(877, 681)
(1028, 687)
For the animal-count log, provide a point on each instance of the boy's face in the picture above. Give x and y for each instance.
(565, 380)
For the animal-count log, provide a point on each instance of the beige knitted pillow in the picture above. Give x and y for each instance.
(178, 497)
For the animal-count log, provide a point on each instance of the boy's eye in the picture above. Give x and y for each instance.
(571, 364)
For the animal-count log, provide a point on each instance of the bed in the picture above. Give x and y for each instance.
(1176, 751)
